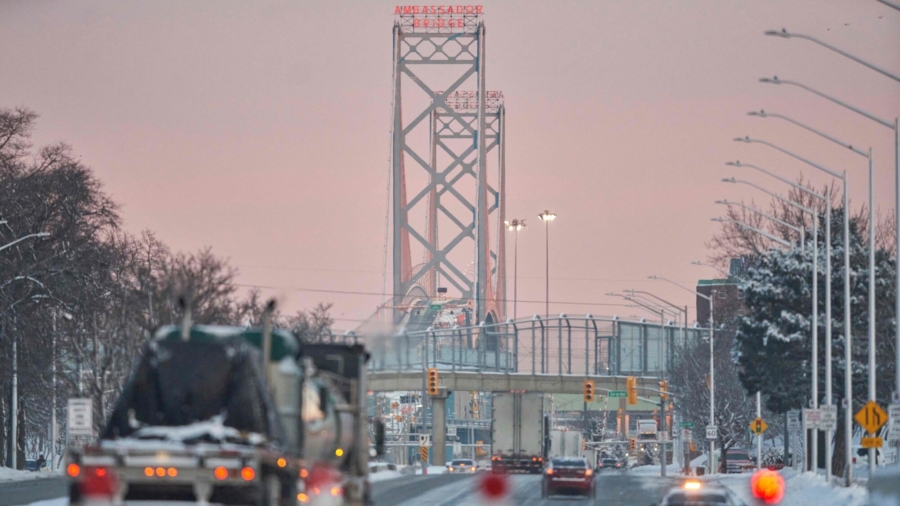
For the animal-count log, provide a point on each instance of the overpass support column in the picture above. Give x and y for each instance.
(439, 428)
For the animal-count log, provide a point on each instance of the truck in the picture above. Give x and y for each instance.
(204, 418)
(519, 433)
(565, 443)
(647, 430)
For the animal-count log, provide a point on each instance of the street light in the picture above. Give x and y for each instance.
(828, 323)
(712, 362)
(896, 128)
(753, 229)
(20, 239)
(848, 339)
(547, 217)
(801, 232)
(788, 35)
(514, 226)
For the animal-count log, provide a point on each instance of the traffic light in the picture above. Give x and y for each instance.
(632, 443)
(663, 390)
(588, 391)
(631, 385)
(432, 381)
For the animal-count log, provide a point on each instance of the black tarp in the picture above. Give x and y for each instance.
(177, 383)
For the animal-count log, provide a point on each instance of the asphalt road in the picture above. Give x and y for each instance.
(13, 493)
(614, 488)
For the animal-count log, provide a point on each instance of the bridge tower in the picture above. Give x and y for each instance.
(452, 205)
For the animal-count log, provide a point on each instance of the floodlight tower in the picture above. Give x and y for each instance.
(461, 128)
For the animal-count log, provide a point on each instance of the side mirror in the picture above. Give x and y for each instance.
(379, 437)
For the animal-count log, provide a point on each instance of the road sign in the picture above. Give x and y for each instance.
(424, 440)
(457, 448)
(793, 421)
(618, 393)
(395, 405)
(894, 415)
(712, 432)
(812, 417)
(434, 307)
(81, 417)
(758, 426)
(423, 452)
(451, 431)
(686, 425)
(872, 442)
(687, 435)
(662, 436)
(828, 417)
(871, 417)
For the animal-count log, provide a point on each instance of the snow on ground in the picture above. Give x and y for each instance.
(433, 470)
(62, 501)
(801, 489)
(653, 470)
(385, 475)
(7, 474)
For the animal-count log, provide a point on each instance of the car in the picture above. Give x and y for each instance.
(609, 464)
(462, 466)
(737, 461)
(569, 475)
(696, 493)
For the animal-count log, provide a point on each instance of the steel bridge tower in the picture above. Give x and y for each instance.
(456, 138)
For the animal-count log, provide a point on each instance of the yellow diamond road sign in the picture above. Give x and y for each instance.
(758, 426)
(871, 417)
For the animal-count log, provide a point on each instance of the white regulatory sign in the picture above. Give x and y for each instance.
(451, 431)
(894, 421)
(712, 432)
(812, 418)
(662, 437)
(81, 417)
(793, 421)
(827, 417)
(687, 435)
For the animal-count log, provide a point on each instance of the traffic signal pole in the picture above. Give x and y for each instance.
(662, 445)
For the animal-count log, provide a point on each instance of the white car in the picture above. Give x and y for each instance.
(462, 466)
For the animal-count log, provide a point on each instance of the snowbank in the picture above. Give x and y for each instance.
(433, 470)
(653, 470)
(7, 474)
(801, 489)
(386, 475)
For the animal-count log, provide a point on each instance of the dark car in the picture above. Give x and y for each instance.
(609, 464)
(568, 475)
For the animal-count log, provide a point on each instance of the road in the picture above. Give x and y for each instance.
(14, 493)
(614, 488)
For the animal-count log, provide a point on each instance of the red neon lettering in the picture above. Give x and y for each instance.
(415, 9)
(440, 23)
(459, 23)
(441, 9)
(470, 9)
(407, 9)
(416, 23)
(398, 10)
(478, 9)
(433, 9)
(459, 9)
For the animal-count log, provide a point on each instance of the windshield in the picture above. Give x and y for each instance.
(462, 463)
(740, 455)
(610, 461)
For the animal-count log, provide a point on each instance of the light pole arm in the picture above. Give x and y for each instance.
(678, 308)
(679, 285)
(793, 155)
(760, 213)
(830, 99)
(651, 306)
(826, 45)
(773, 195)
(754, 229)
(817, 132)
(29, 236)
(783, 180)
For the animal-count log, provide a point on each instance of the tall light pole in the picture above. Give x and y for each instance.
(829, 453)
(848, 339)
(895, 126)
(800, 232)
(514, 226)
(547, 217)
(712, 363)
(15, 366)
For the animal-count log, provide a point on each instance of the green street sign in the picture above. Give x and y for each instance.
(686, 425)
(435, 307)
(618, 393)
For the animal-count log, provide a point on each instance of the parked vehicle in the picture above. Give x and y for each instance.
(518, 429)
(568, 475)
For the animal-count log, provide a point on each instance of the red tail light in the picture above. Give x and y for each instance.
(248, 473)
(73, 470)
(220, 473)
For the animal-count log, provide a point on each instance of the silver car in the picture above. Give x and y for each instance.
(462, 466)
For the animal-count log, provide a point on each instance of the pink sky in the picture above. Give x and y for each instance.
(262, 128)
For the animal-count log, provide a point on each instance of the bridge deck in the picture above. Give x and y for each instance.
(502, 382)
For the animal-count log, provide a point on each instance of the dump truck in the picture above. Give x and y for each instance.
(565, 443)
(519, 434)
(204, 418)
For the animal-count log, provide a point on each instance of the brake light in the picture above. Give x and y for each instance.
(281, 462)
(549, 471)
(73, 470)
(302, 497)
(220, 473)
(588, 472)
(335, 491)
(160, 471)
(148, 472)
(172, 472)
(248, 473)
(304, 473)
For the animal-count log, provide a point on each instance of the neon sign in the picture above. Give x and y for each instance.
(439, 9)
(439, 18)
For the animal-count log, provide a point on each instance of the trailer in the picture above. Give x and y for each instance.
(518, 430)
